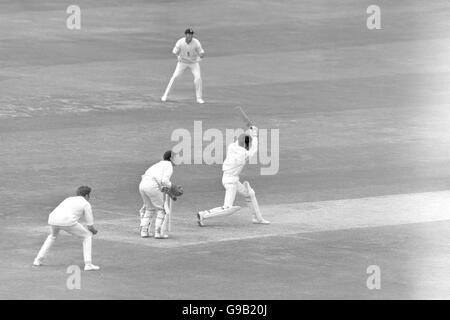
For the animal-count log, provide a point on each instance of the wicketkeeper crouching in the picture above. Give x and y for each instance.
(154, 187)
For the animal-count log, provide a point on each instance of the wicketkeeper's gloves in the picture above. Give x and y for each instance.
(173, 192)
(92, 230)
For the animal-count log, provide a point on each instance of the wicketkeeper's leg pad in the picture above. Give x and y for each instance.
(147, 218)
(160, 223)
(142, 211)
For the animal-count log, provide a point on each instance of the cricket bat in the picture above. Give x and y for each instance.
(243, 116)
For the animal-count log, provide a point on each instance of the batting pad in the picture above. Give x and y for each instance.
(220, 212)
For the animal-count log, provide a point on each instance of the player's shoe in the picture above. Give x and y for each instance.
(37, 262)
(263, 221)
(200, 100)
(159, 236)
(164, 98)
(200, 219)
(145, 233)
(91, 267)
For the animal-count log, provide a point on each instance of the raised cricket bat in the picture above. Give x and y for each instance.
(243, 116)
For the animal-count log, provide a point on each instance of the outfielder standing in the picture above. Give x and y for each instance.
(189, 52)
(153, 186)
(65, 217)
(237, 155)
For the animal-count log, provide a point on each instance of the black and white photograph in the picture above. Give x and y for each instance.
(224, 150)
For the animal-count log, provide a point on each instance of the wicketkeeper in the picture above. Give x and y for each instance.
(155, 184)
(237, 155)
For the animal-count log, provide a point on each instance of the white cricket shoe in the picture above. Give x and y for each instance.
(91, 267)
(37, 262)
(159, 236)
(145, 233)
(263, 221)
(164, 98)
(200, 219)
(201, 101)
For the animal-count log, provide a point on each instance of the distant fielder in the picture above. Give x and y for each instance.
(65, 217)
(189, 52)
(237, 155)
(154, 187)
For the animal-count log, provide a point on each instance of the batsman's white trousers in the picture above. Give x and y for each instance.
(77, 230)
(233, 186)
(195, 69)
(231, 189)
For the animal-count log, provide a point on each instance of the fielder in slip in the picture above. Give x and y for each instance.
(65, 217)
(189, 52)
(154, 185)
(237, 155)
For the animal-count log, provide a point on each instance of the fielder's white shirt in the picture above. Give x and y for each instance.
(237, 157)
(159, 174)
(68, 212)
(188, 52)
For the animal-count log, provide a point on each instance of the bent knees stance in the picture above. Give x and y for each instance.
(54, 232)
(79, 231)
(160, 214)
(244, 189)
(51, 237)
(230, 194)
(145, 198)
(157, 199)
(153, 202)
(153, 198)
(179, 69)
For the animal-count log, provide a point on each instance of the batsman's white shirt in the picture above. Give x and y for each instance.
(159, 174)
(236, 159)
(68, 212)
(188, 52)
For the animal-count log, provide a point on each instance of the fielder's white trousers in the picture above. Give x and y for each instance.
(195, 69)
(77, 230)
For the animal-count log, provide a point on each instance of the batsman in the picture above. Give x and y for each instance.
(237, 155)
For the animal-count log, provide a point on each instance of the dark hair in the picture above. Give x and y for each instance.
(244, 140)
(83, 191)
(189, 30)
(247, 142)
(167, 155)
